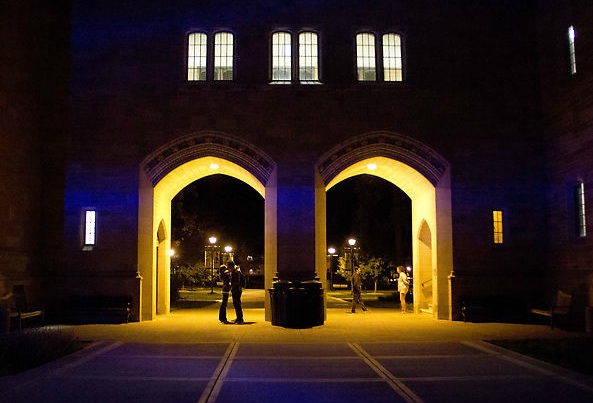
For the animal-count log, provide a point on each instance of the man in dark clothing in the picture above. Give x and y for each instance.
(356, 291)
(236, 290)
(225, 276)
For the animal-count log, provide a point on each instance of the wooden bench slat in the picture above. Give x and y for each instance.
(16, 304)
(560, 307)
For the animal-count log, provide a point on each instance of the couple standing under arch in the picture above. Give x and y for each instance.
(233, 282)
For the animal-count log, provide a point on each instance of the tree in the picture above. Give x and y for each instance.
(372, 268)
(346, 274)
(189, 275)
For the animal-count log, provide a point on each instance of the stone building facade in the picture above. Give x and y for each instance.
(485, 119)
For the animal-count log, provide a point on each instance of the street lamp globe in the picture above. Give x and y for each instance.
(352, 242)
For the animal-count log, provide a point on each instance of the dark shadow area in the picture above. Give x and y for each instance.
(573, 353)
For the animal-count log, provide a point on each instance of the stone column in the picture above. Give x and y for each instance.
(296, 222)
(297, 295)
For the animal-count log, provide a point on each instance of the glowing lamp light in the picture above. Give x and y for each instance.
(352, 242)
(171, 252)
(212, 240)
(331, 251)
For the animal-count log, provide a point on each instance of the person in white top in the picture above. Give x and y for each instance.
(403, 285)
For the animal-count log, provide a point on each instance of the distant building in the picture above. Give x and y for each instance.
(479, 111)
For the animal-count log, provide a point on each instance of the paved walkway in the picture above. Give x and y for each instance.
(376, 356)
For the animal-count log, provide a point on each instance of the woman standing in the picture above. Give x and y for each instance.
(403, 285)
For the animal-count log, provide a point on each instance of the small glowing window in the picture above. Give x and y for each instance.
(571, 51)
(308, 57)
(281, 56)
(497, 223)
(223, 56)
(392, 57)
(196, 57)
(581, 224)
(365, 57)
(90, 227)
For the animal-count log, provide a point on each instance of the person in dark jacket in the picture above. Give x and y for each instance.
(236, 290)
(225, 276)
(357, 291)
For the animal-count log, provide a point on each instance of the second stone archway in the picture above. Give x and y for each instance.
(424, 176)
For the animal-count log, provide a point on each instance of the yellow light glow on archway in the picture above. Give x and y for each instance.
(156, 271)
(403, 176)
(199, 168)
(423, 197)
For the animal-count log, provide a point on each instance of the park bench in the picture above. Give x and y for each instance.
(493, 308)
(85, 309)
(559, 308)
(15, 303)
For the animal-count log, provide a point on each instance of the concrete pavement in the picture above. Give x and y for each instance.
(377, 356)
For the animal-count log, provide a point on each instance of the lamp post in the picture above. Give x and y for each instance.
(352, 242)
(228, 253)
(331, 252)
(171, 262)
(212, 241)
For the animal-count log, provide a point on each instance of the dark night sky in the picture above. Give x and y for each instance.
(375, 212)
(224, 207)
(365, 207)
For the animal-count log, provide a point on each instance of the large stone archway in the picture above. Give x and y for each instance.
(424, 176)
(167, 171)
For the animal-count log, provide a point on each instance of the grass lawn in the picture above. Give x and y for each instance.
(575, 354)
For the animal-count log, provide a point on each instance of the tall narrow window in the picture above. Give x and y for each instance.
(223, 56)
(497, 223)
(281, 56)
(581, 225)
(571, 51)
(392, 57)
(365, 57)
(196, 57)
(308, 57)
(90, 227)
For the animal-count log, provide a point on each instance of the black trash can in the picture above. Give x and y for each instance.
(297, 304)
